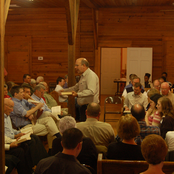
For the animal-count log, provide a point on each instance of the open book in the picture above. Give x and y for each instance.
(28, 131)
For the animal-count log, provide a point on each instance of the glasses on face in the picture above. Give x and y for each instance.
(164, 89)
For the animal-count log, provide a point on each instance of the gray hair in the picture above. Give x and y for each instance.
(39, 87)
(33, 81)
(39, 78)
(66, 122)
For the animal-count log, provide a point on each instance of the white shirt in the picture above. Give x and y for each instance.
(62, 98)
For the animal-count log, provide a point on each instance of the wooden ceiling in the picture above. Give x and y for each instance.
(90, 3)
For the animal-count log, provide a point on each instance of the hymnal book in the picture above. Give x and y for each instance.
(56, 110)
(32, 101)
(28, 131)
(66, 93)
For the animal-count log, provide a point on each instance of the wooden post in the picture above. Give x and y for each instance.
(2, 31)
(72, 10)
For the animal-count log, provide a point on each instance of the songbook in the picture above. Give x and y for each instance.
(56, 110)
(66, 93)
(28, 131)
(32, 101)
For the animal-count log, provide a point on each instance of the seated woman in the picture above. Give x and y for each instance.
(152, 115)
(165, 108)
(128, 129)
(147, 84)
(154, 150)
(6, 92)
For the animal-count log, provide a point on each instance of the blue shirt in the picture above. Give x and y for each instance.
(8, 130)
(45, 107)
(19, 112)
(146, 130)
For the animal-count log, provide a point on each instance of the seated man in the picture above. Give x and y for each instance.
(156, 84)
(22, 116)
(27, 92)
(35, 150)
(65, 161)
(135, 97)
(88, 154)
(48, 98)
(66, 82)
(101, 133)
(27, 81)
(165, 90)
(39, 79)
(60, 84)
(138, 112)
(39, 91)
(129, 89)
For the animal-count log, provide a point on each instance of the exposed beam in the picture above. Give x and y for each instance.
(2, 31)
(95, 28)
(7, 5)
(90, 4)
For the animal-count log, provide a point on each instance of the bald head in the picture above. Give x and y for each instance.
(93, 110)
(81, 65)
(138, 112)
(165, 88)
(44, 84)
(8, 106)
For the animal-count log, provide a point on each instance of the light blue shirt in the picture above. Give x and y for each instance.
(19, 112)
(45, 107)
(8, 130)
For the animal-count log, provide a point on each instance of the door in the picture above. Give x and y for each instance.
(110, 69)
(139, 62)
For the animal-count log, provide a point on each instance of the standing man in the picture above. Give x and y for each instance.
(87, 89)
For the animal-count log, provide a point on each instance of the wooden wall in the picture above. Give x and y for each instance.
(43, 32)
(141, 27)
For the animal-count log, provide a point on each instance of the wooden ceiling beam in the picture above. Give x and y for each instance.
(2, 33)
(90, 3)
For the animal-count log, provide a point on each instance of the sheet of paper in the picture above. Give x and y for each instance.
(32, 101)
(56, 110)
(66, 93)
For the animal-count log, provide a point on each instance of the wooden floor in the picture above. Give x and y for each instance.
(110, 118)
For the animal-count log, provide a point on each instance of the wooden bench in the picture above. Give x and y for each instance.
(105, 166)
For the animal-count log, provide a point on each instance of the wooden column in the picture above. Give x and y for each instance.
(72, 11)
(2, 31)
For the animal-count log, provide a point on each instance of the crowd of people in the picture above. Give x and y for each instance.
(145, 132)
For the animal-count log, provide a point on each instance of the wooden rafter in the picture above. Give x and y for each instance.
(90, 4)
(7, 5)
(2, 31)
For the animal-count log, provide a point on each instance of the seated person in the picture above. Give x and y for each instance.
(65, 161)
(60, 84)
(24, 113)
(154, 150)
(27, 92)
(6, 92)
(33, 83)
(10, 84)
(39, 79)
(27, 81)
(126, 149)
(135, 97)
(48, 98)
(88, 154)
(66, 82)
(147, 84)
(35, 151)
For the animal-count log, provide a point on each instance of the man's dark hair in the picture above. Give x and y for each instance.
(138, 85)
(15, 89)
(164, 73)
(93, 109)
(71, 137)
(59, 79)
(25, 75)
(26, 86)
(139, 114)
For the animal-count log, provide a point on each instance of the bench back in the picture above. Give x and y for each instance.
(105, 166)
